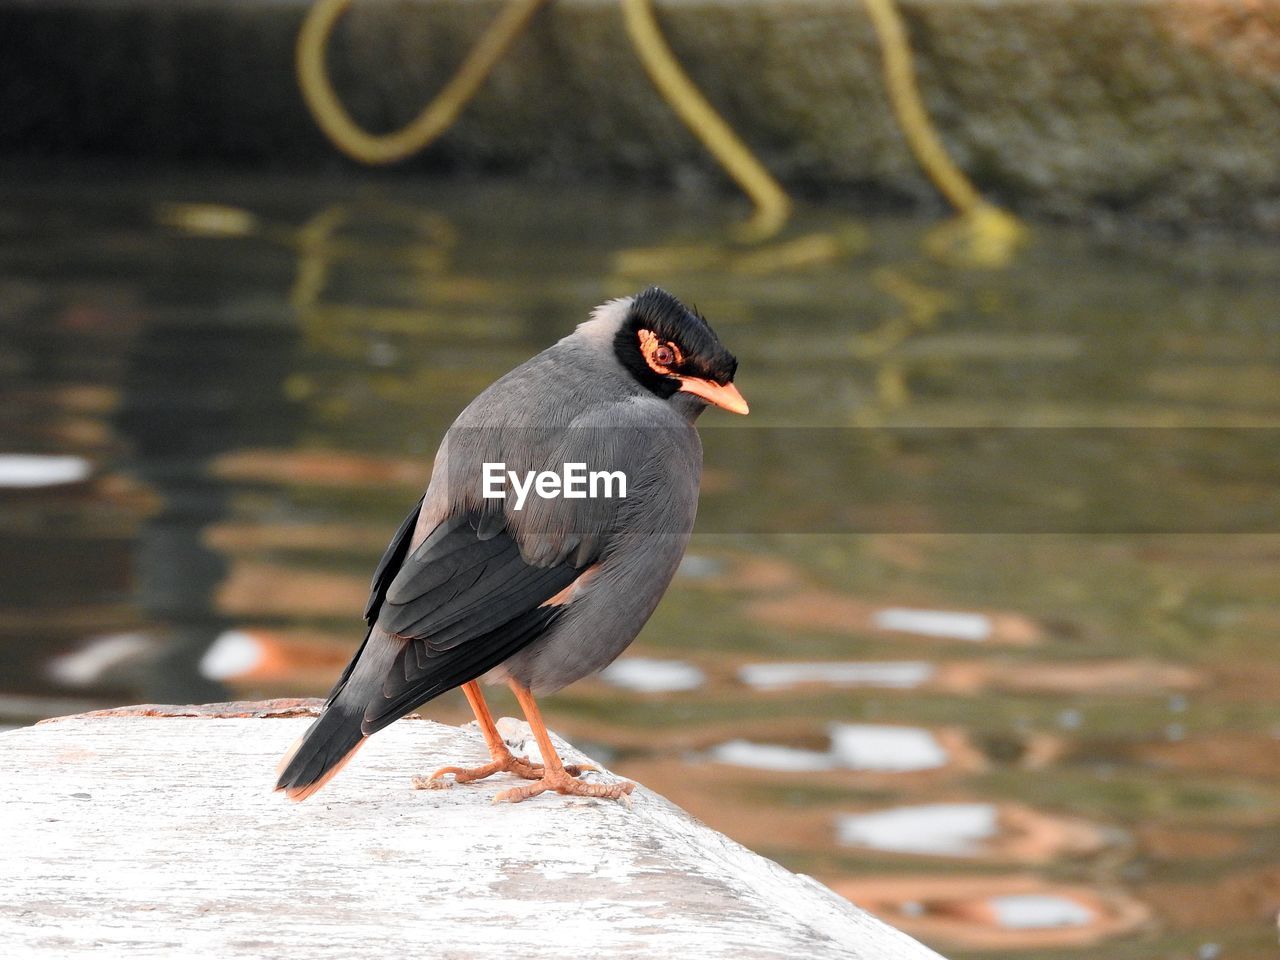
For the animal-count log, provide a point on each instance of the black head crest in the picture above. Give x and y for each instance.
(655, 316)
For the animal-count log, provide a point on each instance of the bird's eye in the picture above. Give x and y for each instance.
(660, 355)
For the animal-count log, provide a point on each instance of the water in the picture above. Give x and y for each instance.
(965, 507)
(955, 829)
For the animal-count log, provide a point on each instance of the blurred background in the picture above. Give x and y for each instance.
(979, 624)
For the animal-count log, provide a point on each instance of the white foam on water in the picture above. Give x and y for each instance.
(770, 756)
(233, 654)
(974, 627)
(695, 566)
(897, 675)
(867, 746)
(29, 470)
(645, 675)
(1039, 911)
(86, 666)
(943, 829)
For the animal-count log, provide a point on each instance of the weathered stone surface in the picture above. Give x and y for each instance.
(1169, 109)
(230, 710)
(157, 834)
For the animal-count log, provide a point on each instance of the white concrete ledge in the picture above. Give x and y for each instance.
(159, 836)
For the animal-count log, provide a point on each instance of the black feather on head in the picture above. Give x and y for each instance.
(702, 354)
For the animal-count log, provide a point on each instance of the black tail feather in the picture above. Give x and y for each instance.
(320, 753)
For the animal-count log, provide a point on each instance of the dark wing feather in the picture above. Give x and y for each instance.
(456, 586)
(382, 576)
(408, 684)
(390, 563)
(458, 606)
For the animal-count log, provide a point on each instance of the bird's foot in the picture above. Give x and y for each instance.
(509, 763)
(566, 782)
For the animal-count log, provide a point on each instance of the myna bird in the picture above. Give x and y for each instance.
(537, 591)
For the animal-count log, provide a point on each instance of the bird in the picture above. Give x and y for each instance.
(477, 587)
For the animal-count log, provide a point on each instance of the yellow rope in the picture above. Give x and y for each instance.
(986, 235)
(900, 79)
(773, 207)
(436, 117)
(772, 204)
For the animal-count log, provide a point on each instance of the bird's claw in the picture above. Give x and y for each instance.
(567, 784)
(437, 780)
(503, 764)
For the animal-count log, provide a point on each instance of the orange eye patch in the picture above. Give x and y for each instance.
(662, 356)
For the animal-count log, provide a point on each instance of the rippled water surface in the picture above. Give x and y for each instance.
(980, 625)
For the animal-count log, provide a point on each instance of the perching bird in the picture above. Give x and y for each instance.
(545, 592)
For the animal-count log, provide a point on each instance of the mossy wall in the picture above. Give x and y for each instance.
(1165, 109)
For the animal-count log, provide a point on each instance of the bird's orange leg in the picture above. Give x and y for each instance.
(504, 761)
(556, 776)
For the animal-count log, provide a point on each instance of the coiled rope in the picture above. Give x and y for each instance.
(984, 234)
(773, 206)
(435, 118)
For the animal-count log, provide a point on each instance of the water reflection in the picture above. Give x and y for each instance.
(242, 390)
(22, 471)
(647, 675)
(191, 391)
(943, 829)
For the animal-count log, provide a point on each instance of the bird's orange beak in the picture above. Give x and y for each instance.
(724, 395)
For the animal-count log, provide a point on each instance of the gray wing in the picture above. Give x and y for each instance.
(460, 604)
